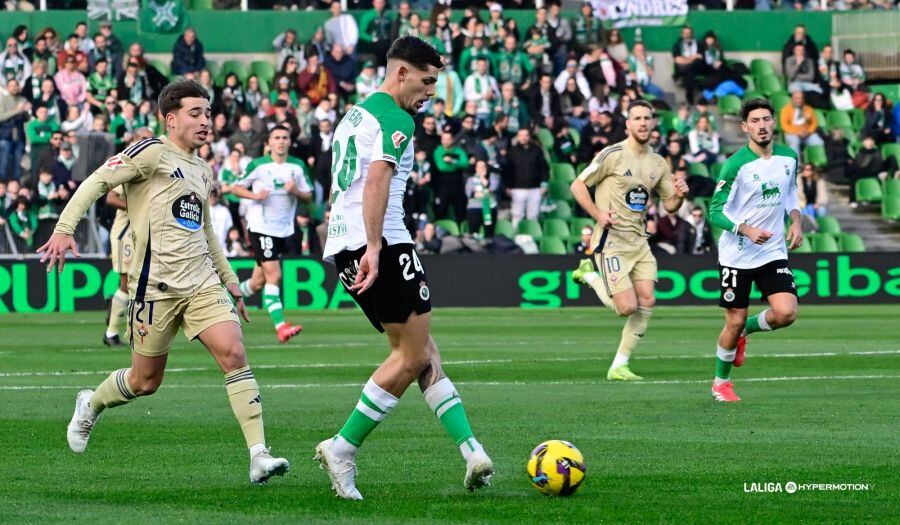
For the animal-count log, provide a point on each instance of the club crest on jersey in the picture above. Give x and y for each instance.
(637, 198)
(720, 185)
(188, 212)
(113, 161)
(397, 138)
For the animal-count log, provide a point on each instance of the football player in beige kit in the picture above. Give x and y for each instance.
(625, 274)
(177, 274)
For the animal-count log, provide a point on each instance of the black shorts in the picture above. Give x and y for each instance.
(267, 247)
(735, 284)
(399, 290)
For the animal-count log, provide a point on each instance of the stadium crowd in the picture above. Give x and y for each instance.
(518, 111)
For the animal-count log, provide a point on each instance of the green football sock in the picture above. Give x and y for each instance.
(444, 401)
(757, 323)
(724, 362)
(374, 405)
(272, 303)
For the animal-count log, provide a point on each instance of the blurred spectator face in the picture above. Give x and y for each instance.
(424, 28)
(441, 21)
(71, 114)
(335, 9)
(128, 110)
(205, 77)
(12, 187)
(869, 142)
(41, 113)
(586, 233)
(404, 9)
(615, 37)
(509, 43)
(697, 215)
(190, 36)
(429, 124)
(523, 137)
(378, 4)
(101, 68)
(312, 62)
(470, 107)
(507, 91)
(571, 67)
(56, 139)
(110, 104)
(70, 64)
(40, 45)
(674, 147)
(245, 124)
(72, 137)
(12, 46)
(446, 139)
(604, 119)
(571, 86)
(45, 177)
(220, 121)
(849, 57)
(72, 43)
(799, 33)
(305, 104)
(65, 152)
(540, 17)
(234, 236)
(481, 168)
(799, 52)
(106, 30)
(253, 83)
(290, 36)
(135, 50)
(481, 66)
(546, 82)
(808, 171)
(468, 123)
(586, 10)
(438, 107)
(81, 30)
(826, 53)
(337, 53)
(687, 33)
(703, 123)
(100, 42)
(12, 86)
(797, 98)
(99, 124)
(325, 126)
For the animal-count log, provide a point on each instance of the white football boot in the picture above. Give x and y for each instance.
(341, 471)
(263, 466)
(479, 469)
(83, 420)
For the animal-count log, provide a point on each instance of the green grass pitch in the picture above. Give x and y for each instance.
(820, 406)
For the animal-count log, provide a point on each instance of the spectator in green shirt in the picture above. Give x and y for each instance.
(39, 129)
(100, 83)
(512, 65)
(449, 178)
(375, 31)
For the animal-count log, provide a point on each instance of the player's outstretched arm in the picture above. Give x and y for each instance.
(375, 200)
(55, 250)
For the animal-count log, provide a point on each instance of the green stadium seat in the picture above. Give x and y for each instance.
(858, 117)
(563, 172)
(828, 224)
(868, 190)
(821, 119)
(891, 91)
(214, 68)
(448, 226)
(576, 224)
(780, 100)
(729, 105)
(760, 68)
(162, 67)
(852, 243)
(505, 228)
(699, 169)
(576, 136)
(824, 243)
(770, 85)
(891, 150)
(529, 227)
(556, 228)
(753, 93)
(236, 67)
(545, 137)
(560, 191)
(263, 69)
(839, 119)
(553, 246)
(201, 5)
(803, 248)
(563, 211)
(892, 188)
(890, 209)
(816, 155)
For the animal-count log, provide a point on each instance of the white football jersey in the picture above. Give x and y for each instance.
(375, 129)
(758, 192)
(274, 216)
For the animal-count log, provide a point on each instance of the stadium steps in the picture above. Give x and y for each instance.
(864, 221)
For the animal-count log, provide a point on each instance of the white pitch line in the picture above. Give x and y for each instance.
(458, 362)
(496, 383)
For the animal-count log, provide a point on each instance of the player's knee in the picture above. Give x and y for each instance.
(413, 365)
(626, 310)
(785, 318)
(735, 324)
(647, 302)
(233, 356)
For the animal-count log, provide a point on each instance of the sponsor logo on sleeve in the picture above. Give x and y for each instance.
(397, 138)
(188, 212)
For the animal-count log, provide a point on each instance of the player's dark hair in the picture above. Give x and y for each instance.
(171, 95)
(641, 103)
(416, 52)
(754, 104)
(279, 127)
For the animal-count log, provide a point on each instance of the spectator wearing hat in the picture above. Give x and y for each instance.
(187, 54)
